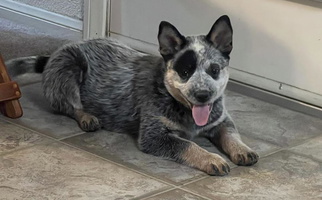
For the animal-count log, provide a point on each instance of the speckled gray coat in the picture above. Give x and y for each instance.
(165, 100)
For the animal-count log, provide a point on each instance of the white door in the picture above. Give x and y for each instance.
(277, 43)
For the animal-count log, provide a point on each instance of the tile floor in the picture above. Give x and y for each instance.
(46, 156)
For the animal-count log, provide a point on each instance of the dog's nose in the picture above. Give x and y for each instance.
(202, 96)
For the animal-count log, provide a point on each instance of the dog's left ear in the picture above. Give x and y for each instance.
(221, 35)
(170, 40)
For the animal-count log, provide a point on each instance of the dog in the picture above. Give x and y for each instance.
(166, 100)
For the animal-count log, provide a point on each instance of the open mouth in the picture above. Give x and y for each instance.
(201, 113)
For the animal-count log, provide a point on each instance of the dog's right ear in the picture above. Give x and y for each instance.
(170, 40)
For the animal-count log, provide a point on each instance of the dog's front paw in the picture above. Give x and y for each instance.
(217, 166)
(199, 158)
(89, 123)
(244, 157)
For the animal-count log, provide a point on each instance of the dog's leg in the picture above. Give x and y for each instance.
(226, 137)
(66, 99)
(86, 121)
(62, 80)
(159, 140)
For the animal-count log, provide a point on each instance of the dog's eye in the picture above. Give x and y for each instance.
(186, 65)
(185, 74)
(214, 71)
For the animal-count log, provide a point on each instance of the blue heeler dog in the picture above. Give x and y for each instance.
(166, 100)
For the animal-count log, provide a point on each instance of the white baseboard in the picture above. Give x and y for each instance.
(41, 19)
(239, 75)
(276, 87)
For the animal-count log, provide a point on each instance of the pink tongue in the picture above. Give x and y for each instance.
(201, 114)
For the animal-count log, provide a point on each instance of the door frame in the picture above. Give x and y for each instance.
(96, 18)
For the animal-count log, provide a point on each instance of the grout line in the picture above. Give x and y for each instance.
(305, 141)
(153, 195)
(25, 148)
(118, 164)
(193, 181)
(71, 136)
(301, 142)
(178, 187)
(196, 194)
(30, 129)
(289, 149)
(69, 145)
(53, 140)
(142, 173)
(304, 155)
(167, 182)
(49, 138)
(280, 148)
(292, 146)
(172, 186)
(169, 190)
(293, 152)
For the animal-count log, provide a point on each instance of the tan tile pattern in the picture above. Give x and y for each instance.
(312, 148)
(13, 137)
(57, 171)
(123, 149)
(35, 167)
(39, 116)
(271, 123)
(280, 176)
(175, 195)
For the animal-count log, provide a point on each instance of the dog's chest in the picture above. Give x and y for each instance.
(189, 129)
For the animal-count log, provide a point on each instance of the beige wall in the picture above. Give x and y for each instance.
(275, 41)
(70, 8)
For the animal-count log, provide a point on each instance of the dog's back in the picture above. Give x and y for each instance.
(105, 79)
(116, 81)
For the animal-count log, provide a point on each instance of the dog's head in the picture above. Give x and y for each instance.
(197, 71)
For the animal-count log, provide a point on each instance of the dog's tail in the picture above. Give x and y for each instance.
(25, 65)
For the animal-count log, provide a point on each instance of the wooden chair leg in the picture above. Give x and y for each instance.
(9, 94)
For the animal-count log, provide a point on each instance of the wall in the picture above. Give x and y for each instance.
(277, 43)
(70, 8)
(47, 21)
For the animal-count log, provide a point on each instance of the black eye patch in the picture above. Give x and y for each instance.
(214, 70)
(186, 65)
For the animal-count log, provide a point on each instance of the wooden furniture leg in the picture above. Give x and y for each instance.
(9, 94)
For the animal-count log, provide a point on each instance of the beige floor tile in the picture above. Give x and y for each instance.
(312, 148)
(123, 149)
(57, 171)
(271, 123)
(280, 176)
(39, 116)
(13, 137)
(175, 195)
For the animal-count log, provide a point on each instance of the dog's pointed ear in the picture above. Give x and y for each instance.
(170, 40)
(221, 35)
